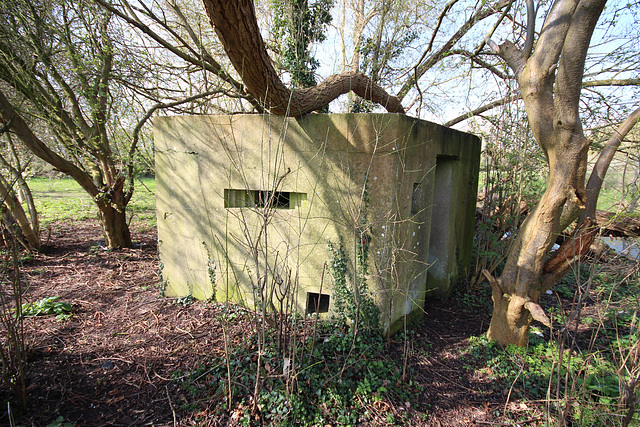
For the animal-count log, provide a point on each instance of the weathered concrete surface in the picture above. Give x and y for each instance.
(418, 206)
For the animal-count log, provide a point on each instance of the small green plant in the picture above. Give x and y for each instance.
(59, 422)
(48, 306)
(211, 270)
(185, 301)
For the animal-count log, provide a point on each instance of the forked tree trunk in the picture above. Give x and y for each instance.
(550, 80)
(516, 293)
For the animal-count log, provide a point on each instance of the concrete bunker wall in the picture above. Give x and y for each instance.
(248, 206)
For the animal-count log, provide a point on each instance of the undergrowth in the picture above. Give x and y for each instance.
(586, 369)
(333, 379)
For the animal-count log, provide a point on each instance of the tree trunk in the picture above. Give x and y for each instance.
(111, 200)
(550, 81)
(237, 28)
(114, 226)
(516, 293)
(113, 217)
(8, 197)
(24, 193)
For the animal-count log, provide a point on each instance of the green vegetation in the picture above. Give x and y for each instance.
(62, 199)
(586, 374)
(331, 379)
(322, 372)
(310, 371)
(48, 306)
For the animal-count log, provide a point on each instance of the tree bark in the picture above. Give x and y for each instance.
(10, 200)
(24, 192)
(237, 28)
(551, 101)
(111, 200)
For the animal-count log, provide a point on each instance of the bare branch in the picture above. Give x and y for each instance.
(531, 28)
(503, 101)
(205, 54)
(441, 17)
(482, 63)
(594, 185)
(420, 69)
(611, 82)
(209, 64)
(487, 38)
(163, 105)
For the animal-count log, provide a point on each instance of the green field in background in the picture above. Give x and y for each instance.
(62, 199)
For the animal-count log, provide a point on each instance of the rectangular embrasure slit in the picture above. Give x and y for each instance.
(317, 303)
(241, 198)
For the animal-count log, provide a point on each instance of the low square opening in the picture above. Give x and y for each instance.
(317, 303)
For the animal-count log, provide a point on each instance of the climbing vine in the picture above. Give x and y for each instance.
(355, 303)
(296, 25)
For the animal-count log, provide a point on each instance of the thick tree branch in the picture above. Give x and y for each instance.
(571, 64)
(552, 36)
(594, 185)
(571, 250)
(237, 28)
(574, 248)
(531, 28)
(37, 147)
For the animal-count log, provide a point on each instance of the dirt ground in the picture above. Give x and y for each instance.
(112, 362)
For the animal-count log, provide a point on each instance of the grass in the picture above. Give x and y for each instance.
(63, 200)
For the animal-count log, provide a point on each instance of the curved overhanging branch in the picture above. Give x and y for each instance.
(237, 28)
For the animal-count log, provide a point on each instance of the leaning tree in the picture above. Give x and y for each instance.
(62, 69)
(549, 69)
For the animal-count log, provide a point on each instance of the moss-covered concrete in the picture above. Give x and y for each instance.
(408, 184)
